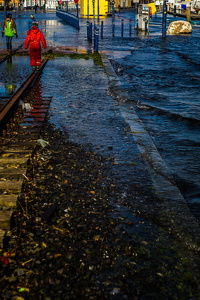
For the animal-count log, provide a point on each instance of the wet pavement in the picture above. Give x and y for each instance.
(100, 111)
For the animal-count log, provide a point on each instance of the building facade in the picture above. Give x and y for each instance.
(87, 7)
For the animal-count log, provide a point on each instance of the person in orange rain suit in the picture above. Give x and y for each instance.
(34, 40)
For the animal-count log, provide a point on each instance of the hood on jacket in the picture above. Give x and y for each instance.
(35, 29)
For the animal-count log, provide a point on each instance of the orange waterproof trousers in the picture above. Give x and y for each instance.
(35, 55)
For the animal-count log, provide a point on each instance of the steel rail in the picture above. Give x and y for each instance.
(8, 55)
(8, 108)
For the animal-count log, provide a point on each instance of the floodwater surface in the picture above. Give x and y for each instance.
(163, 85)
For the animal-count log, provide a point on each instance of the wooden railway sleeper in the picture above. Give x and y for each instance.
(17, 141)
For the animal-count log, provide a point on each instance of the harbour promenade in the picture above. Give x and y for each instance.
(124, 229)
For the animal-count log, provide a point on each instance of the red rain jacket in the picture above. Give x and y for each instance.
(34, 38)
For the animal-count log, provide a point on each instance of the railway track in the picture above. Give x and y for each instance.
(21, 119)
(4, 57)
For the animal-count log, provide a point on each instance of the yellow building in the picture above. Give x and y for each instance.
(90, 8)
(95, 8)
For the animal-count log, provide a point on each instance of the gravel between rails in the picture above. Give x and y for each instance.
(72, 241)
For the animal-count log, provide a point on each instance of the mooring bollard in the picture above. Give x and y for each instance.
(174, 10)
(136, 17)
(101, 29)
(113, 29)
(113, 19)
(188, 13)
(122, 28)
(88, 34)
(89, 31)
(87, 28)
(130, 29)
(96, 38)
(146, 26)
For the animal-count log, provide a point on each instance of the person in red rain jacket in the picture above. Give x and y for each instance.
(34, 40)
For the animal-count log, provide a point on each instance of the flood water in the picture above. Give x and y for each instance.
(163, 79)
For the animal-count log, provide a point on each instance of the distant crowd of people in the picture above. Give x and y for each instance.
(34, 39)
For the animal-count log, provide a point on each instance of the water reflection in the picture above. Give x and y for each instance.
(10, 88)
(9, 59)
